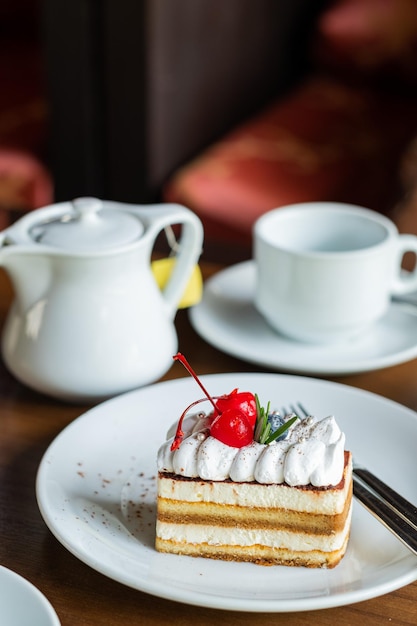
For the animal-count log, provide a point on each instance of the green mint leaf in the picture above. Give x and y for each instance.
(262, 432)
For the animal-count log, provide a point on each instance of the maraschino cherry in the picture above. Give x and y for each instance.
(242, 400)
(233, 418)
(233, 428)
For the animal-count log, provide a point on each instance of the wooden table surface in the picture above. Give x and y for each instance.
(81, 596)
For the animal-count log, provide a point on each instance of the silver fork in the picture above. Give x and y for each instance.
(390, 508)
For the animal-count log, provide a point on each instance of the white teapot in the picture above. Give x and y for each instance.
(88, 320)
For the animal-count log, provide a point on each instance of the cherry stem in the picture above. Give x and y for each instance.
(179, 434)
(181, 358)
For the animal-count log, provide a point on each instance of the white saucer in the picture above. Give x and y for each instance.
(226, 318)
(22, 603)
(96, 490)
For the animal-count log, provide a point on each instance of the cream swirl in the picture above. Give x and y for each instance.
(312, 453)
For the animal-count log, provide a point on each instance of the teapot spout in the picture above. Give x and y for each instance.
(29, 272)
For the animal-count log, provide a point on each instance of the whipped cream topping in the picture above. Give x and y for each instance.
(312, 453)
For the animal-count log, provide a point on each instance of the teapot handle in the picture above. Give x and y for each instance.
(156, 218)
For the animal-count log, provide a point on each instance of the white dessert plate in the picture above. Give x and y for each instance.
(22, 603)
(96, 490)
(226, 318)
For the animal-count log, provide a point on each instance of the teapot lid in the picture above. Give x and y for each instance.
(91, 225)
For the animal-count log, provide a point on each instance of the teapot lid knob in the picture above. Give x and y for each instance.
(86, 206)
(90, 225)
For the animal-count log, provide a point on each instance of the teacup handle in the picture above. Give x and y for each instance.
(405, 282)
(156, 218)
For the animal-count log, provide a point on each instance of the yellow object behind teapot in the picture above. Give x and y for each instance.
(162, 269)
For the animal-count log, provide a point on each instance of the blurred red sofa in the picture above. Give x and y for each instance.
(340, 135)
(25, 180)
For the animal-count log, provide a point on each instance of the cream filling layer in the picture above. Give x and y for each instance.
(218, 536)
(324, 502)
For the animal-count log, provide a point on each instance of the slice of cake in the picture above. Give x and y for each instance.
(246, 484)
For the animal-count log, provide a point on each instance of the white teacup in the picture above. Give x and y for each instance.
(326, 271)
